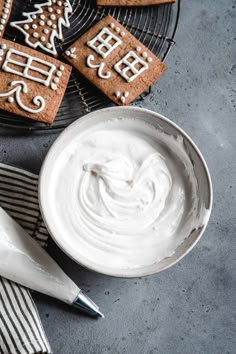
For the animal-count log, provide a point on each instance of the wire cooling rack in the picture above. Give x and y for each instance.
(154, 26)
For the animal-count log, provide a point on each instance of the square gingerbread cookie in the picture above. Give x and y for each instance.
(5, 11)
(115, 61)
(32, 84)
(132, 2)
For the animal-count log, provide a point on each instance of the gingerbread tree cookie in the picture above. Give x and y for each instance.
(42, 26)
(5, 10)
(115, 61)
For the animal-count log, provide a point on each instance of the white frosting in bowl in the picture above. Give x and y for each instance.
(121, 194)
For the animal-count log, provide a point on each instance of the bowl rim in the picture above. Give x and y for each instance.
(140, 272)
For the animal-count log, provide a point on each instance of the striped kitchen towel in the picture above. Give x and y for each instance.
(21, 330)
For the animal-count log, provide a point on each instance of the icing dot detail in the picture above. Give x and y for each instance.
(42, 17)
(52, 17)
(144, 54)
(48, 45)
(59, 3)
(10, 99)
(61, 67)
(49, 23)
(56, 79)
(138, 49)
(50, 9)
(35, 34)
(1, 27)
(4, 16)
(3, 21)
(34, 26)
(54, 26)
(4, 46)
(46, 31)
(122, 33)
(6, 10)
(33, 17)
(149, 59)
(43, 39)
(53, 86)
(59, 73)
(126, 94)
(117, 29)
(42, 23)
(117, 93)
(112, 25)
(122, 99)
(26, 27)
(58, 11)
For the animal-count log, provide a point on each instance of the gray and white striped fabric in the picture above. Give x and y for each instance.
(21, 330)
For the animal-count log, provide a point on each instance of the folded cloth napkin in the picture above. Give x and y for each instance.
(21, 330)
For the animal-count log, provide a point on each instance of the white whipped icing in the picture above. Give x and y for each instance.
(125, 194)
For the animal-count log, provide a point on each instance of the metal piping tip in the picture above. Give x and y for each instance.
(85, 304)
(100, 314)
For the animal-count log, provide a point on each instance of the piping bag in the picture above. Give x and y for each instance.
(23, 261)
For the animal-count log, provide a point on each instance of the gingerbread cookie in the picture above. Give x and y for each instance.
(41, 27)
(32, 84)
(115, 61)
(132, 2)
(5, 10)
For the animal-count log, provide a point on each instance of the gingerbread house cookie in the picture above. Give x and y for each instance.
(5, 10)
(115, 61)
(132, 2)
(32, 84)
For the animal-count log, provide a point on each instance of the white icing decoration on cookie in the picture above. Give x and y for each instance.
(56, 79)
(59, 73)
(149, 59)
(58, 11)
(62, 67)
(21, 86)
(126, 94)
(56, 32)
(53, 86)
(112, 25)
(70, 53)
(104, 43)
(4, 16)
(34, 26)
(50, 9)
(138, 49)
(122, 99)
(144, 54)
(124, 66)
(10, 99)
(117, 93)
(1, 27)
(3, 21)
(42, 23)
(35, 34)
(28, 65)
(3, 46)
(46, 31)
(42, 39)
(117, 29)
(100, 67)
(122, 33)
(52, 17)
(49, 22)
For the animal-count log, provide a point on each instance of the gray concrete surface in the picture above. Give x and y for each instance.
(190, 308)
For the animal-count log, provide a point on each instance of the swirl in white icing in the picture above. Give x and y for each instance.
(125, 194)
